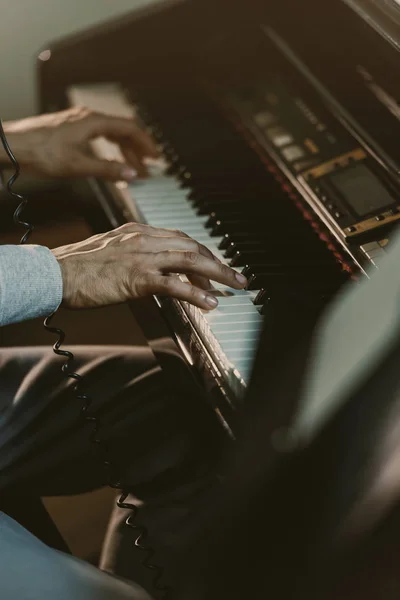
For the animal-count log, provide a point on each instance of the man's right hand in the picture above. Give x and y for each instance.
(137, 260)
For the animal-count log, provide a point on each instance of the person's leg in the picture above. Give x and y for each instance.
(162, 437)
(30, 512)
(41, 430)
(30, 570)
(173, 503)
(32, 390)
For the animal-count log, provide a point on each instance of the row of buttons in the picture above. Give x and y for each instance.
(279, 136)
(329, 205)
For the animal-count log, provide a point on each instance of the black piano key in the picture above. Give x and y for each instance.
(262, 257)
(261, 297)
(258, 279)
(274, 248)
(294, 238)
(243, 210)
(269, 229)
(247, 245)
(319, 276)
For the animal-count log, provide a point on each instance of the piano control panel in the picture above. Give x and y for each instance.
(340, 178)
(353, 194)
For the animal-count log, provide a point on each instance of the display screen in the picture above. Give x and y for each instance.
(363, 192)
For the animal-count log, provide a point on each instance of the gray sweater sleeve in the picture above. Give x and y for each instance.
(30, 283)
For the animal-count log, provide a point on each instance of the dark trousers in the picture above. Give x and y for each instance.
(162, 438)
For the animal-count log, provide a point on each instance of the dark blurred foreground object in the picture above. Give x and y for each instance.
(319, 521)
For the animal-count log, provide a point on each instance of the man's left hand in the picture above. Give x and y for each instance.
(58, 145)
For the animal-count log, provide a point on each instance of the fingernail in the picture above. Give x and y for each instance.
(241, 279)
(212, 301)
(128, 174)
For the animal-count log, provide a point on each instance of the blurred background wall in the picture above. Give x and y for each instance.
(25, 28)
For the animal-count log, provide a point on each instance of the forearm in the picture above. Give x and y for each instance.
(4, 158)
(30, 283)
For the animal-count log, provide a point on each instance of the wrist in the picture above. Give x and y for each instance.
(21, 143)
(68, 275)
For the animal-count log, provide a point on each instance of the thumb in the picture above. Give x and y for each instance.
(108, 169)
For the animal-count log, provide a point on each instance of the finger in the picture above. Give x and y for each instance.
(200, 282)
(194, 263)
(106, 169)
(125, 131)
(134, 161)
(154, 244)
(175, 288)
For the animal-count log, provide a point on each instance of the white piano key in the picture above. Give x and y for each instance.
(158, 199)
(228, 292)
(236, 352)
(235, 327)
(179, 219)
(171, 201)
(173, 209)
(239, 337)
(246, 313)
(157, 196)
(230, 301)
(161, 183)
(236, 335)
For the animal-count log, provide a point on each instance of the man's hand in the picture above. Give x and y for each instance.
(57, 144)
(138, 260)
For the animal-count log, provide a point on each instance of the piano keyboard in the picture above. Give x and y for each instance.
(216, 191)
(231, 331)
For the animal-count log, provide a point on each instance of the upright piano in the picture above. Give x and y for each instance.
(279, 124)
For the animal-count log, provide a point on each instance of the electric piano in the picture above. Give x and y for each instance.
(279, 125)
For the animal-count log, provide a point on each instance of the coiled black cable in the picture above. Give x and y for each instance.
(22, 202)
(102, 445)
(142, 531)
(87, 417)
